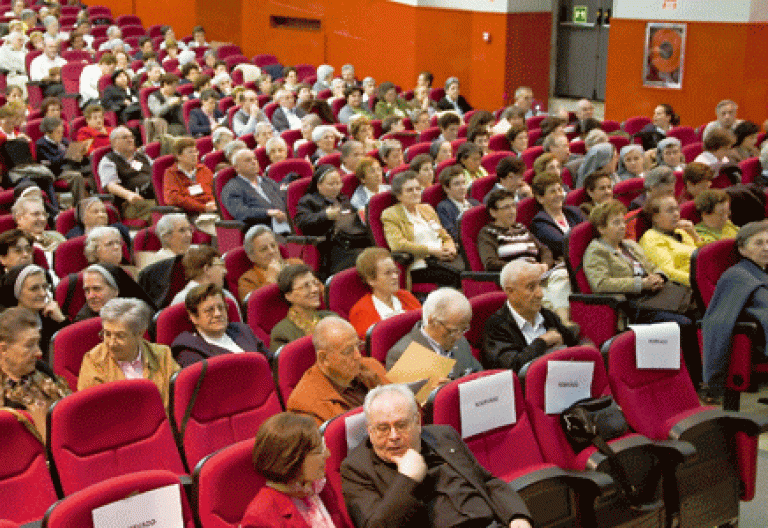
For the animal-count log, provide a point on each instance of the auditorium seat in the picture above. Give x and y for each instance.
(343, 290)
(492, 159)
(692, 150)
(279, 170)
(290, 363)
(71, 344)
(685, 134)
(109, 430)
(476, 280)
(69, 257)
(236, 395)
(383, 335)
(173, 320)
(302, 246)
(266, 308)
(633, 125)
(483, 306)
(480, 188)
(750, 170)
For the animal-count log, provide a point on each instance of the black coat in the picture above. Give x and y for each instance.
(189, 347)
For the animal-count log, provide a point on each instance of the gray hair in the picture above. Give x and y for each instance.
(320, 131)
(220, 131)
(749, 230)
(658, 176)
(442, 301)
(133, 313)
(49, 19)
(20, 206)
(550, 140)
(369, 80)
(595, 137)
(252, 234)
(450, 81)
(326, 326)
(166, 225)
(113, 30)
(274, 142)
(323, 71)
(764, 156)
(93, 239)
(347, 67)
(667, 142)
(387, 146)
(511, 272)
(282, 92)
(116, 132)
(238, 153)
(383, 390)
(725, 102)
(260, 125)
(232, 148)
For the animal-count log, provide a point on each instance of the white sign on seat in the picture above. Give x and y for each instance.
(356, 430)
(486, 403)
(657, 346)
(567, 383)
(160, 508)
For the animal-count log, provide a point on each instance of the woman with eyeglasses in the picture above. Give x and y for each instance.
(290, 453)
(303, 292)
(203, 265)
(27, 286)
(15, 248)
(124, 353)
(213, 335)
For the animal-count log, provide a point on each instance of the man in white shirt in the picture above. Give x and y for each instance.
(115, 35)
(51, 24)
(89, 79)
(522, 330)
(40, 65)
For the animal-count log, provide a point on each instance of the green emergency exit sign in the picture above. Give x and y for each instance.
(580, 14)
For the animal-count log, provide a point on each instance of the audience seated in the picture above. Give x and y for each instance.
(371, 178)
(303, 292)
(262, 249)
(599, 189)
(714, 206)
(602, 156)
(206, 118)
(717, 144)
(40, 66)
(324, 136)
(90, 76)
(124, 353)
(726, 111)
(166, 103)
(659, 181)
(522, 330)
(286, 115)
(376, 267)
(277, 149)
(554, 220)
(469, 157)
(351, 153)
(104, 282)
(65, 162)
(669, 153)
(290, 454)
(95, 134)
(517, 135)
(414, 227)
(631, 162)
(26, 382)
(340, 377)
(452, 99)
(664, 118)
(391, 153)
(389, 103)
(524, 101)
(396, 491)
(449, 124)
(16, 248)
(31, 217)
(188, 184)
(740, 293)
(697, 178)
(510, 173)
(104, 245)
(454, 182)
(511, 116)
(354, 106)
(202, 265)
(446, 315)
(746, 145)
(214, 334)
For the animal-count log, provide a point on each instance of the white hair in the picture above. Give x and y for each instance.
(443, 301)
(512, 271)
(237, 154)
(326, 327)
(93, 239)
(385, 390)
(274, 142)
(20, 206)
(764, 156)
(133, 313)
(166, 225)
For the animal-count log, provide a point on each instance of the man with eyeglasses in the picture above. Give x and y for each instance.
(31, 217)
(340, 377)
(522, 330)
(446, 314)
(245, 120)
(407, 475)
(127, 173)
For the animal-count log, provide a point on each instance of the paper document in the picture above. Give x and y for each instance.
(160, 508)
(418, 363)
(657, 346)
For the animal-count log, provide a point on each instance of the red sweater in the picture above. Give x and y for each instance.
(100, 139)
(363, 314)
(176, 187)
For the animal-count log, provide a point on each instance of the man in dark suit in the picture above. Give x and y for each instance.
(252, 199)
(521, 330)
(407, 475)
(286, 116)
(446, 314)
(52, 152)
(203, 120)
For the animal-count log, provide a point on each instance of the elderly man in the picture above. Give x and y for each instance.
(31, 217)
(252, 199)
(41, 65)
(12, 57)
(522, 330)
(52, 29)
(127, 174)
(114, 35)
(188, 183)
(286, 116)
(726, 111)
(175, 234)
(90, 76)
(245, 119)
(524, 101)
(446, 314)
(340, 377)
(410, 476)
(351, 153)
(166, 103)
(221, 137)
(348, 75)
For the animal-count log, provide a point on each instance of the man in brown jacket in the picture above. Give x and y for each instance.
(340, 377)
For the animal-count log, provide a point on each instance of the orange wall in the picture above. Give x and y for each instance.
(383, 39)
(722, 61)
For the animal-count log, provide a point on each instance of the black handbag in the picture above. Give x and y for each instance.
(672, 297)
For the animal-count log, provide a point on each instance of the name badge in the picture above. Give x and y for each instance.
(195, 189)
(136, 165)
(434, 225)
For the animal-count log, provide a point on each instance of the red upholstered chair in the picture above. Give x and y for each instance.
(213, 158)
(343, 290)
(692, 150)
(526, 210)
(144, 98)
(77, 509)
(492, 159)
(512, 454)
(416, 149)
(499, 142)
(627, 190)
(383, 335)
(535, 122)
(331, 159)
(305, 150)
(173, 320)
(597, 313)
(187, 108)
(265, 60)
(72, 300)
(633, 125)
(576, 197)
(69, 257)
(533, 136)
(530, 154)
(129, 20)
(32, 129)
(481, 187)
(349, 183)
(662, 404)
(290, 363)
(429, 135)
(685, 134)
(26, 488)
(483, 306)
(204, 145)
(610, 125)
(750, 170)
(578, 147)
(476, 280)
(65, 220)
(109, 430)
(688, 212)
(442, 166)
(618, 142)
(278, 171)
(291, 136)
(237, 262)
(434, 194)
(71, 344)
(229, 232)
(406, 138)
(301, 245)
(436, 94)
(708, 263)
(266, 308)
(236, 395)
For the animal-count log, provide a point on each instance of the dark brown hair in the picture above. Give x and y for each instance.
(282, 444)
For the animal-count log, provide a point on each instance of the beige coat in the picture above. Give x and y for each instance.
(609, 272)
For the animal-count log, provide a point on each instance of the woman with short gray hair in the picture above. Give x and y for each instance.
(124, 353)
(453, 100)
(104, 245)
(262, 249)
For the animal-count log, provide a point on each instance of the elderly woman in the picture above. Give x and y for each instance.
(391, 153)
(714, 206)
(119, 97)
(664, 118)
(746, 146)
(631, 162)
(124, 353)
(26, 382)
(360, 129)
(277, 149)
(669, 153)
(469, 156)
(104, 282)
(261, 247)
(371, 179)
(16, 248)
(290, 454)
(741, 293)
(213, 335)
(616, 264)
(697, 178)
(202, 265)
(91, 213)
(324, 76)
(303, 292)
(376, 267)
(415, 228)
(104, 245)
(554, 220)
(324, 136)
(389, 103)
(601, 156)
(424, 167)
(517, 136)
(599, 189)
(27, 286)
(453, 100)
(325, 212)
(175, 234)
(671, 241)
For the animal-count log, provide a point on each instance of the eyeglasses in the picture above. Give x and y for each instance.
(21, 249)
(106, 335)
(400, 427)
(308, 286)
(453, 331)
(211, 310)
